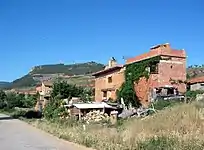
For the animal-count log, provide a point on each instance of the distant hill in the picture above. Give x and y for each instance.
(72, 69)
(4, 84)
(195, 71)
(53, 71)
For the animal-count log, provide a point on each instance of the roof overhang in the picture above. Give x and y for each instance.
(91, 106)
(107, 70)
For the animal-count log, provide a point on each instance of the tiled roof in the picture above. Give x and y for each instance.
(107, 70)
(196, 80)
(154, 53)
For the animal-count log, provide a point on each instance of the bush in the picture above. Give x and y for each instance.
(161, 104)
(18, 113)
(61, 90)
(33, 114)
(2, 99)
(192, 94)
(54, 109)
(13, 100)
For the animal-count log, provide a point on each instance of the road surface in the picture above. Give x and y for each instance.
(18, 135)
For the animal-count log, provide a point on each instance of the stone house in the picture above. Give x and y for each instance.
(170, 67)
(107, 81)
(196, 83)
(44, 90)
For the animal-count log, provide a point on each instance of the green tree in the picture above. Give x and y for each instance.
(12, 101)
(86, 95)
(65, 90)
(29, 101)
(128, 94)
(2, 99)
(61, 90)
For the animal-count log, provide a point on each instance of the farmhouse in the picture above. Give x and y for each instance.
(107, 81)
(167, 65)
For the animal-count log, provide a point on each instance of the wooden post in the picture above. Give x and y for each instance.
(113, 117)
(79, 114)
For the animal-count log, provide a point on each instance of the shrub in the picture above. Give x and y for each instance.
(192, 94)
(13, 100)
(2, 99)
(54, 109)
(161, 104)
(18, 113)
(32, 114)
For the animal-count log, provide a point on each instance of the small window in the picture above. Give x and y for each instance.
(109, 79)
(104, 93)
(171, 66)
(154, 68)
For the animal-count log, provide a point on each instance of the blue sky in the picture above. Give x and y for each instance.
(36, 32)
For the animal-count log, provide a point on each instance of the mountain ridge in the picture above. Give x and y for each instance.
(72, 73)
(53, 71)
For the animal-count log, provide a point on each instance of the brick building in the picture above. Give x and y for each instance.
(171, 67)
(107, 81)
(196, 83)
(44, 90)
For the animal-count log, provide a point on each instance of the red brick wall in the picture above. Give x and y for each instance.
(174, 69)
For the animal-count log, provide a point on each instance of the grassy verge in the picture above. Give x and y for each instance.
(179, 127)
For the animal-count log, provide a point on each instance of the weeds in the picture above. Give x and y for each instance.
(176, 128)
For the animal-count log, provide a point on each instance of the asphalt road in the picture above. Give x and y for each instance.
(18, 135)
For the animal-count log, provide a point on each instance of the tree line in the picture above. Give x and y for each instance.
(10, 100)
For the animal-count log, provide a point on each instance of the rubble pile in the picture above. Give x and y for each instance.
(140, 112)
(96, 116)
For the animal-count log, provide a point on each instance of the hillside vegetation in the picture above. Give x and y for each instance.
(195, 71)
(53, 71)
(72, 69)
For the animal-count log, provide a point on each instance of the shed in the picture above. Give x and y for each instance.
(196, 83)
(82, 109)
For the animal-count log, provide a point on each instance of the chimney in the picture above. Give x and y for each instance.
(112, 62)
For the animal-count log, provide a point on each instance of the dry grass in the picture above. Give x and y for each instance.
(177, 128)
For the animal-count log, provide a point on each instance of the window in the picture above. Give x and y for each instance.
(171, 66)
(104, 93)
(202, 84)
(109, 79)
(154, 68)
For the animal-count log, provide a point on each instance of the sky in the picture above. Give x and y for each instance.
(37, 32)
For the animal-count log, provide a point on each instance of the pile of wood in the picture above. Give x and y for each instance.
(96, 116)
